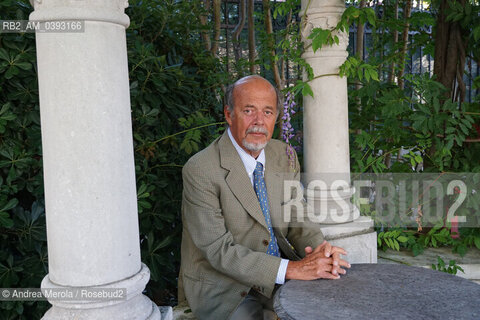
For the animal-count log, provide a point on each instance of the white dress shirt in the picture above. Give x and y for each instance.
(250, 163)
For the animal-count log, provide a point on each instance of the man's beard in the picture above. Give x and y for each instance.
(255, 147)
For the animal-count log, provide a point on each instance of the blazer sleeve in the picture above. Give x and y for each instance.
(204, 221)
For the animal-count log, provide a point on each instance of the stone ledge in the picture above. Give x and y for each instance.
(166, 313)
(470, 263)
(183, 312)
(359, 226)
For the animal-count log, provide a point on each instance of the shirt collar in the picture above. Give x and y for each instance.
(248, 161)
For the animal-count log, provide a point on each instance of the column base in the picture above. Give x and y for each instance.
(135, 306)
(166, 313)
(358, 238)
(330, 206)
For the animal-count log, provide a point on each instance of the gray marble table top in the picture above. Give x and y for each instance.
(380, 291)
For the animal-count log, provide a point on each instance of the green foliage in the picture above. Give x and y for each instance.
(452, 267)
(175, 90)
(385, 120)
(356, 68)
(303, 88)
(283, 8)
(23, 247)
(392, 239)
(398, 238)
(321, 37)
(433, 130)
(289, 46)
(354, 15)
(435, 237)
(469, 238)
(467, 15)
(438, 236)
(351, 15)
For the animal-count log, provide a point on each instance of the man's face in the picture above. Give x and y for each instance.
(254, 114)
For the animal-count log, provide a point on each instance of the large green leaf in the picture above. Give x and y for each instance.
(5, 220)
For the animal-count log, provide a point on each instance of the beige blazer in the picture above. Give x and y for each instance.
(225, 236)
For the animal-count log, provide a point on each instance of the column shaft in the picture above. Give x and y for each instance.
(89, 174)
(326, 138)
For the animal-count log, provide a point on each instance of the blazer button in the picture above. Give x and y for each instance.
(265, 242)
(243, 294)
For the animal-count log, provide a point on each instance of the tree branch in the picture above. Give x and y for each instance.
(237, 48)
(203, 22)
(271, 43)
(216, 17)
(391, 74)
(251, 36)
(406, 28)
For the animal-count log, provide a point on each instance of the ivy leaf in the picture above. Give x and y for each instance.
(4, 54)
(396, 245)
(449, 144)
(459, 140)
(389, 242)
(8, 277)
(370, 16)
(37, 211)
(163, 243)
(477, 242)
(5, 220)
(476, 33)
(450, 130)
(319, 37)
(440, 261)
(436, 105)
(462, 249)
(11, 204)
(307, 90)
(464, 129)
(418, 158)
(374, 74)
(352, 12)
(367, 75)
(12, 71)
(417, 249)
(468, 8)
(24, 65)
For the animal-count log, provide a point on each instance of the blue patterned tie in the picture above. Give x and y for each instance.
(261, 191)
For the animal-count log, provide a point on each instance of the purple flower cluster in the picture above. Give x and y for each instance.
(291, 156)
(287, 129)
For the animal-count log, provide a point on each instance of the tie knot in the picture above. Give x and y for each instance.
(259, 168)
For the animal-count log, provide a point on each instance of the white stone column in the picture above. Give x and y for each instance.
(89, 174)
(326, 138)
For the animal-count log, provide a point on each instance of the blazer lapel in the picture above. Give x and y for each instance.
(274, 182)
(274, 178)
(238, 180)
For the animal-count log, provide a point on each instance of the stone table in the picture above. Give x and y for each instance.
(380, 291)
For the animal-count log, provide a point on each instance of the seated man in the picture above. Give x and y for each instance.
(234, 234)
